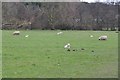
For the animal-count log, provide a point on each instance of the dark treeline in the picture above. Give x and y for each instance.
(60, 15)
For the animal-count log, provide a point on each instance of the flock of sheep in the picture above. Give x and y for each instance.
(66, 46)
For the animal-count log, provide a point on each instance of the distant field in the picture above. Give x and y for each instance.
(42, 55)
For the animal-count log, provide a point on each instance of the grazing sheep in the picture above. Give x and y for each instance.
(26, 36)
(67, 46)
(103, 38)
(16, 33)
(91, 35)
(59, 33)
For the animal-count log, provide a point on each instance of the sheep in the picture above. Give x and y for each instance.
(67, 46)
(59, 33)
(16, 33)
(91, 35)
(103, 38)
(26, 36)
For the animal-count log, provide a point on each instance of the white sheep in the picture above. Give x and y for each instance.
(59, 33)
(91, 35)
(16, 33)
(26, 36)
(67, 46)
(103, 38)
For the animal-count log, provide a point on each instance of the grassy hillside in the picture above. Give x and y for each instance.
(42, 54)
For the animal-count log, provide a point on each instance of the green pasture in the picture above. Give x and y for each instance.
(42, 54)
(0, 54)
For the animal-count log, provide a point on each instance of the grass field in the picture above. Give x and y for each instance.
(0, 54)
(42, 55)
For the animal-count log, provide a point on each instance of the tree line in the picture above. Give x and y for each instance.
(60, 15)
